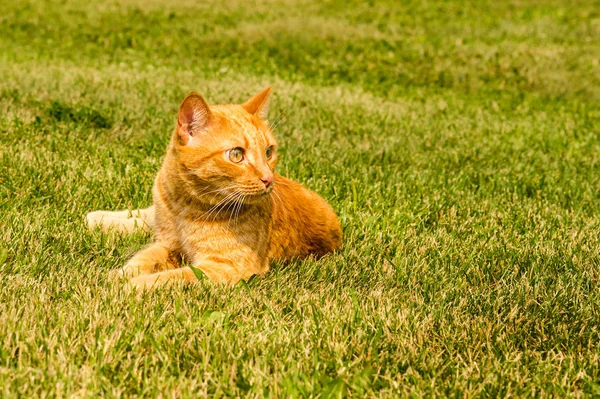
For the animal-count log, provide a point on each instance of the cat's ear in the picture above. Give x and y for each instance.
(194, 116)
(259, 104)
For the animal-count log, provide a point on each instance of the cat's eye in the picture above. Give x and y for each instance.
(269, 152)
(236, 155)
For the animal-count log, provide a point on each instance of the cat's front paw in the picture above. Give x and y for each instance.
(130, 270)
(143, 283)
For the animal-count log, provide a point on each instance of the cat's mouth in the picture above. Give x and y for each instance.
(260, 193)
(257, 193)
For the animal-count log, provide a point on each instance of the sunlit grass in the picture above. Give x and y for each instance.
(459, 144)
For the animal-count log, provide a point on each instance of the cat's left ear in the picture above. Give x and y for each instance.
(193, 117)
(259, 104)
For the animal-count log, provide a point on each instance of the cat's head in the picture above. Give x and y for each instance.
(227, 147)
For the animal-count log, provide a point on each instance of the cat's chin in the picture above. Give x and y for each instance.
(257, 193)
(257, 197)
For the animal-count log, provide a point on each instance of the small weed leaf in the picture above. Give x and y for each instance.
(214, 316)
(243, 284)
(197, 272)
(217, 316)
(246, 284)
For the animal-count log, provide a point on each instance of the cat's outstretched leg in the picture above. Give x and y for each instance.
(152, 259)
(122, 221)
(149, 281)
(218, 272)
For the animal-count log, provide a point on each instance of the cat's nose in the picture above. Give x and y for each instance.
(267, 180)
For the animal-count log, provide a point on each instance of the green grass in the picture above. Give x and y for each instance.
(459, 143)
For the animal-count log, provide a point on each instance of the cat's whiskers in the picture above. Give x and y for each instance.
(226, 201)
(231, 213)
(206, 214)
(203, 192)
(228, 205)
(281, 118)
(215, 192)
(216, 209)
(229, 201)
(278, 120)
(236, 208)
(240, 208)
(278, 197)
(241, 205)
(219, 190)
(233, 206)
(275, 122)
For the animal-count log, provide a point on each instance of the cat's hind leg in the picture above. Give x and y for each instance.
(152, 259)
(122, 221)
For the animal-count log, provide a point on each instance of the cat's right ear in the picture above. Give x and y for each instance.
(193, 117)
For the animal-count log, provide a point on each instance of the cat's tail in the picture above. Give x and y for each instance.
(122, 221)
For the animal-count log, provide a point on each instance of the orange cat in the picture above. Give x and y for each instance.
(218, 204)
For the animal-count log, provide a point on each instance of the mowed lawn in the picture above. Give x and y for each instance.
(459, 143)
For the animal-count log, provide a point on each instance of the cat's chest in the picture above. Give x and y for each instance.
(248, 232)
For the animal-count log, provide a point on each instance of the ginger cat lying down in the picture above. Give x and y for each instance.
(218, 204)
